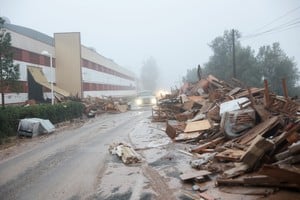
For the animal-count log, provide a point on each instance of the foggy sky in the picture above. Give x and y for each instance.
(175, 32)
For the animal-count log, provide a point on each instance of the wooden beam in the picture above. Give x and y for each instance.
(204, 146)
(267, 96)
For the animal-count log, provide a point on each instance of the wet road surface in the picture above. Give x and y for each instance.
(74, 163)
(67, 165)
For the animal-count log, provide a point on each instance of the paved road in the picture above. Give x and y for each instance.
(68, 164)
(74, 163)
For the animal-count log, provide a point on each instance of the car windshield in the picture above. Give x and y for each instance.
(145, 93)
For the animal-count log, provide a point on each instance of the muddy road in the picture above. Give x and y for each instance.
(75, 163)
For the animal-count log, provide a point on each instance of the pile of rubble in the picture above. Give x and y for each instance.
(125, 152)
(96, 105)
(244, 136)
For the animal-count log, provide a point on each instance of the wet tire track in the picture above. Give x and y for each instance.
(12, 189)
(158, 184)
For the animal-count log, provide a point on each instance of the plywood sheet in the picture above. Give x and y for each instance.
(197, 126)
(187, 136)
(193, 174)
(230, 155)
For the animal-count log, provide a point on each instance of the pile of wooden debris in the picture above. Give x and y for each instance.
(96, 105)
(243, 136)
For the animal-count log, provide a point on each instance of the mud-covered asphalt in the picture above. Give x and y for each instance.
(68, 164)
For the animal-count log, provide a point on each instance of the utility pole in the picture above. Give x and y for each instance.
(233, 55)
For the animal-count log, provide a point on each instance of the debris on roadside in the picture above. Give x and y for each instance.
(96, 105)
(125, 152)
(234, 131)
(34, 126)
(194, 174)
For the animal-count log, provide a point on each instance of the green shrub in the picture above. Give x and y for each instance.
(11, 115)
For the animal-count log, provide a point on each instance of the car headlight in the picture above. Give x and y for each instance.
(138, 102)
(153, 101)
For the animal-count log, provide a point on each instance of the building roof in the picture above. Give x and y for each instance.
(36, 35)
(30, 33)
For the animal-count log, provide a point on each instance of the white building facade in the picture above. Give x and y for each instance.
(76, 70)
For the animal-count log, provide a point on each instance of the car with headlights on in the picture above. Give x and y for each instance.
(145, 98)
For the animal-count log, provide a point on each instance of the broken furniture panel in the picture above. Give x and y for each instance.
(234, 122)
(232, 105)
(187, 136)
(193, 174)
(197, 126)
(233, 155)
(259, 129)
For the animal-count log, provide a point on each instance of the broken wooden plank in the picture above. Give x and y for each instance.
(267, 100)
(283, 136)
(256, 180)
(283, 105)
(261, 179)
(294, 148)
(185, 152)
(184, 116)
(294, 137)
(205, 196)
(262, 112)
(230, 155)
(285, 90)
(187, 136)
(283, 155)
(213, 113)
(197, 126)
(283, 175)
(249, 190)
(198, 99)
(251, 158)
(207, 150)
(255, 152)
(239, 169)
(193, 174)
(204, 146)
(246, 93)
(213, 80)
(259, 129)
(171, 131)
(229, 181)
(233, 91)
(290, 160)
(189, 195)
(188, 105)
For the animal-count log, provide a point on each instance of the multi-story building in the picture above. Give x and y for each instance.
(75, 70)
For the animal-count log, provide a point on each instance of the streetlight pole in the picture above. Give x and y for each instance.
(51, 74)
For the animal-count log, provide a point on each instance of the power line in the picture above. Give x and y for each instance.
(274, 29)
(283, 27)
(286, 26)
(278, 18)
(278, 31)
